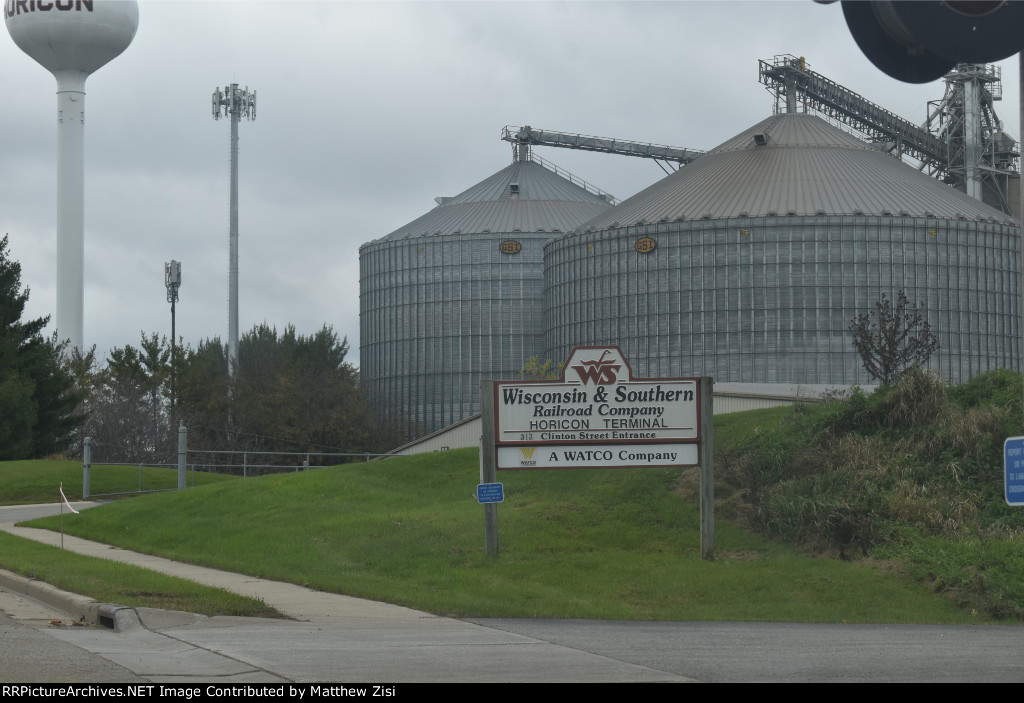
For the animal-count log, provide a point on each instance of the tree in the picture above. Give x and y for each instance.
(87, 377)
(129, 414)
(535, 370)
(299, 392)
(893, 339)
(204, 395)
(291, 392)
(38, 398)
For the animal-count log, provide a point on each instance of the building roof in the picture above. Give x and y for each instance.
(522, 197)
(805, 166)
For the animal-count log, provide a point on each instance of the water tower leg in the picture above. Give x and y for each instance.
(70, 215)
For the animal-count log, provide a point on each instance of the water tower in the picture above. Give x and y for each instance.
(71, 39)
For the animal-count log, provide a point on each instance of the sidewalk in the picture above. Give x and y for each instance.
(331, 637)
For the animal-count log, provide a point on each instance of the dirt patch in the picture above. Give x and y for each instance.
(746, 555)
(896, 567)
(731, 504)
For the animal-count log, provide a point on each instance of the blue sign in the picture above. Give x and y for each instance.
(1013, 470)
(494, 493)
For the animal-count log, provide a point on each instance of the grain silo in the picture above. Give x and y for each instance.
(749, 264)
(457, 294)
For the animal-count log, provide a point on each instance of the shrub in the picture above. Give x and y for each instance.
(1000, 388)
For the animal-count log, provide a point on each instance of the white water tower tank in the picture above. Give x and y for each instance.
(71, 39)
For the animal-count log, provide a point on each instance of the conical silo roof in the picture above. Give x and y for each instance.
(522, 197)
(794, 164)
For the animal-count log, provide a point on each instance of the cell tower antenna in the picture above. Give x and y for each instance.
(233, 102)
(172, 280)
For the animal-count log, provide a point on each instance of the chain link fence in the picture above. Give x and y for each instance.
(113, 478)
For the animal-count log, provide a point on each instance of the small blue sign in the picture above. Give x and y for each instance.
(494, 493)
(1013, 470)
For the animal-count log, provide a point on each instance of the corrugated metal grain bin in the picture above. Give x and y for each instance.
(457, 295)
(750, 263)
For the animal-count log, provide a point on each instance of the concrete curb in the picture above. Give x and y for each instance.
(90, 611)
(120, 618)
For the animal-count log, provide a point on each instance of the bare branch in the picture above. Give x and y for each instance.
(893, 339)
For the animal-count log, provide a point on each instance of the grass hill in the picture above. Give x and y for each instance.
(871, 508)
(912, 474)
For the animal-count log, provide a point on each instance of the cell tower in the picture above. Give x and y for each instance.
(233, 102)
(71, 40)
(172, 280)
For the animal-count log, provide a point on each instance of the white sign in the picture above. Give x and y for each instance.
(597, 456)
(597, 415)
(597, 401)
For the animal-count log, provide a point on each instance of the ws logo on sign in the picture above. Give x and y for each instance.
(528, 456)
(600, 371)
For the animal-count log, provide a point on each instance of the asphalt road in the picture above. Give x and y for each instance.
(29, 653)
(786, 652)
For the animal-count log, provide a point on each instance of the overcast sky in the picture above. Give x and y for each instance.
(366, 111)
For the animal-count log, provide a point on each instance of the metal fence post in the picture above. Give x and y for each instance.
(182, 453)
(489, 464)
(245, 464)
(707, 468)
(86, 465)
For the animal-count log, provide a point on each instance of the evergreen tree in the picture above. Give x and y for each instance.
(38, 398)
(130, 417)
(290, 393)
(204, 396)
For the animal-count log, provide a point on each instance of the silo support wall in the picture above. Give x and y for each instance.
(770, 300)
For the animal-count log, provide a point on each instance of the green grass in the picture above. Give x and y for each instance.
(911, 473)
(732, 428)
(37, 481)
(112, 582)
(615, 544)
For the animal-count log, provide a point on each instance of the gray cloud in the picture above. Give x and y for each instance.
(366, 112)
